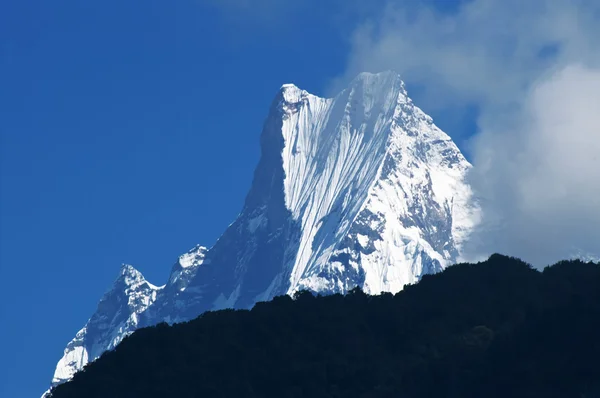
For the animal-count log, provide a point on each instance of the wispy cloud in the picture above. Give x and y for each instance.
(533, 70)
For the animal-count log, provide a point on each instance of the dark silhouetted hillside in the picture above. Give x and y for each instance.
(494, 329)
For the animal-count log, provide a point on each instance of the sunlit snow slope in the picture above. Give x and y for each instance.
(357, 190)
(378, 189)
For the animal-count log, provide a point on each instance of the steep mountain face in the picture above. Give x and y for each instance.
(357, 190)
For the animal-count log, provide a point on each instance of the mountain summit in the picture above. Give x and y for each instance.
(360, 190)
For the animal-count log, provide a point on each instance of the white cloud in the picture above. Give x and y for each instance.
(540, 180)
(487, 51)
(533, 69)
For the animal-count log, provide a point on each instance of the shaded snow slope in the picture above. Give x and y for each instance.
(358, 190)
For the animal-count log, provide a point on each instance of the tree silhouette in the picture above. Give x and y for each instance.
(493, 329)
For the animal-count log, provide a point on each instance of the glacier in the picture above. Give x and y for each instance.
(360, 190)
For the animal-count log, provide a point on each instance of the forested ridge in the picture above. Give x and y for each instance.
(494, 329)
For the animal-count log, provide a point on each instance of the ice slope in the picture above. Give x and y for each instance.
(357, 190)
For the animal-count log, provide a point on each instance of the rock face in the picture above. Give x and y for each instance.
(357, 190)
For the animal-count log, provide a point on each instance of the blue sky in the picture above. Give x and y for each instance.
(129, 130)
(129, 133)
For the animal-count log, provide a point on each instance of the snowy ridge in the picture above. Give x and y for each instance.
(358, 190)
(116, 317)
(176, 292)
(118, 313)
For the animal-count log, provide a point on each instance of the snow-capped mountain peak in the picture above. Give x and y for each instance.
(361, 189)
(132, 278)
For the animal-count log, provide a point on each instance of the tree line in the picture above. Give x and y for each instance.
(495, 329)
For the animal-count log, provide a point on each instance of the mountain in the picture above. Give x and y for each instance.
(495, 329)
(359, 190)
(119, 310)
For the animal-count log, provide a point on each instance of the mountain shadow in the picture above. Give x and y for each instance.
(493, 329)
